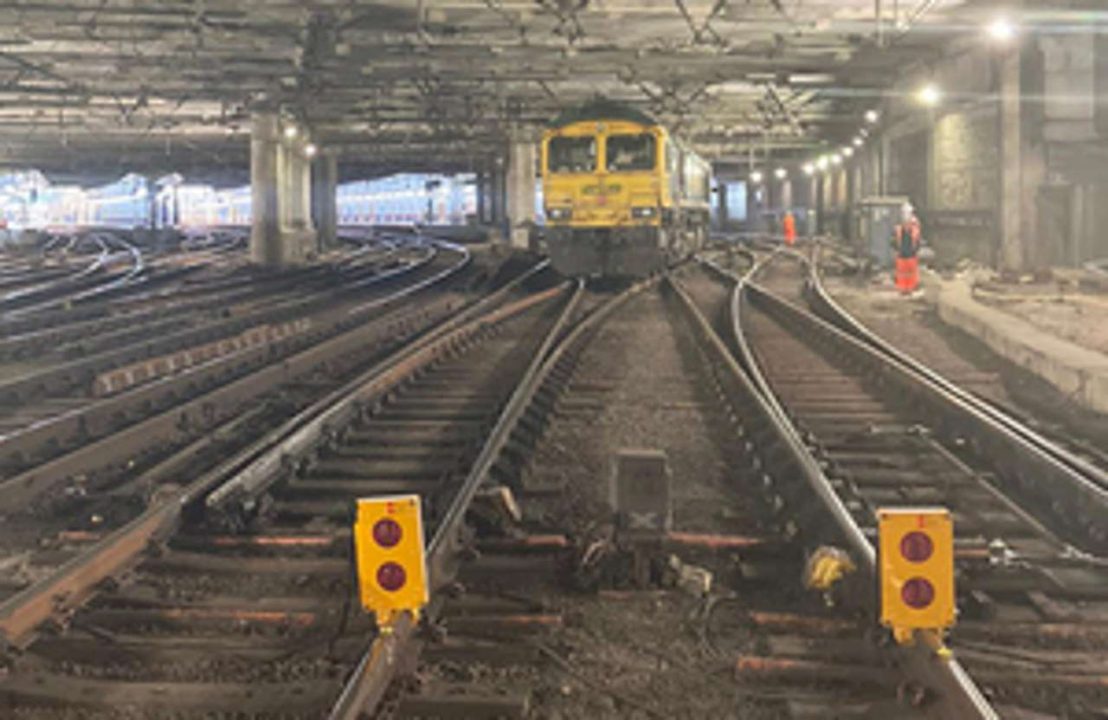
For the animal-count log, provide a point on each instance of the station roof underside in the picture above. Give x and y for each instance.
(88, 87)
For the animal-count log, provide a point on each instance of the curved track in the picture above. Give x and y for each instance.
(887, 432)
(506, 611)
(184, 635)
(53, 511)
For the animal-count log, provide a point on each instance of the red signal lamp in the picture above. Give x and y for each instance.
(916, 547)
(387, 532)
(391, 576)
(917, 593)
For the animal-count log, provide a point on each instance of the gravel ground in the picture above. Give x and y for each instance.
(644, 653)
(635, 388)
(639, 385)
(661, 652)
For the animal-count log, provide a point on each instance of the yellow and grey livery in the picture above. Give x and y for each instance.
(622, 196)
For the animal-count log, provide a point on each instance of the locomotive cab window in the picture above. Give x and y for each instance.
(631, 152)
(571, 154)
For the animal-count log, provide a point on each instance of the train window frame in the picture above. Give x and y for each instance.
(594, 153)
(650, 137)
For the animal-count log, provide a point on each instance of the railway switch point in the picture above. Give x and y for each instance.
(389, 556)
(916, 571)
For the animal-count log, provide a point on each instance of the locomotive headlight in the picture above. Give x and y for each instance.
(644, 212)
(559, 213)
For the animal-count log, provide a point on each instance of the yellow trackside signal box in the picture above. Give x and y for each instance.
(389, 549)
(916, 570)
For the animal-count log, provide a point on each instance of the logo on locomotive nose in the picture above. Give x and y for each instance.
(601, 191)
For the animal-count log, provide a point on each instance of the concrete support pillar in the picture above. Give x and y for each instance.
(884, 152)
(152, 206)
(305, 199)
(774, 189)
(286, 174)
(756, 207)
(786, 195)
(325, 214)
(1011, 242)
(482, 209)
(522, 166)
(298, 199)
(500, 197)
(722, 217)
(280, 178)
(265, 159)
(820, 205)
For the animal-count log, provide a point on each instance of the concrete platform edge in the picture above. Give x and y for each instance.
(1079, 372)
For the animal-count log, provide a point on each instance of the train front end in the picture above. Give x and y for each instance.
(605, 197)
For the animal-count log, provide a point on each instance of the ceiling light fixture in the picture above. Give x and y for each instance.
(929, 95)
(872, 116)
(1001, 30)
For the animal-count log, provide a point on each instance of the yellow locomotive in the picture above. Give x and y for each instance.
(622, 197)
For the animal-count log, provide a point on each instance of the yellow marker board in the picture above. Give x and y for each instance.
(389, 548)
(916, 556)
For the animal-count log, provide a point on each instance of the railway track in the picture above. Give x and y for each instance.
(756, 487)
(35, 294)
(178, 297)
(181, 635)
(1062, 451)
(575, 629)
(118, 268)
(506, 639)
(885, 432)
(79, 498)
(56, 415)
(175, 627)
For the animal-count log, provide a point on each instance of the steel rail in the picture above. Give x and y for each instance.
(85, 367)
(826, 307)
(29, 335)
(138, 267)
(957, 696)
(62, 591)
(27, 300)
(1067, 493)
(316, 423)
(28, 441)
(1070, 504)
(391, 651)
(19, 490)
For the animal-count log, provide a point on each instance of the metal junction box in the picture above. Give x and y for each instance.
(640, 492)
(879, 217)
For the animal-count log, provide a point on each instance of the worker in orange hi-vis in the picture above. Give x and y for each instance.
(788, 226)
(906, 241)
